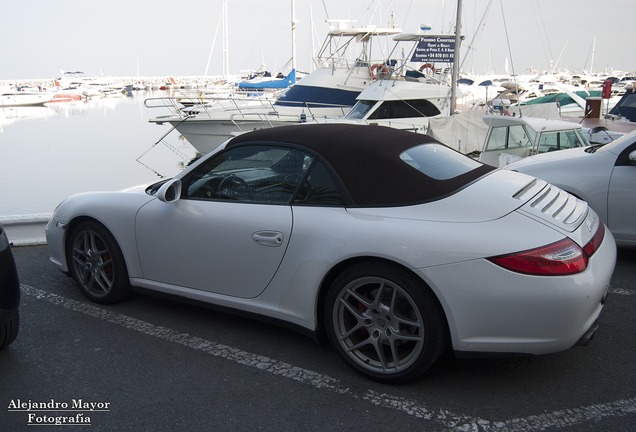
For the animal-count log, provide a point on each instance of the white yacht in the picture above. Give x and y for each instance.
(24, 98)
(345, 68)
(402, 103)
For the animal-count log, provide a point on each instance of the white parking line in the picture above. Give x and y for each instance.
(453, 422)
(621, 291)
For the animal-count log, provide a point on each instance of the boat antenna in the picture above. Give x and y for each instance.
(588, 57)
(559, 59)
(325, 6)
(480, 28)
(458, 29)
(543, 35)
(226, 61)
(514, 75)
(293, 33)
(216, 32)
(592, 64)
(312, 30)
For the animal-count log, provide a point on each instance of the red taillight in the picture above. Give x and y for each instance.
(557, 259)
(596, 241)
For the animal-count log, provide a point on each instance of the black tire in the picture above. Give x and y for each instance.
(385, 322)
(9, 325)
(97, 263)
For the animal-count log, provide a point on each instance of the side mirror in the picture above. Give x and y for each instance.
(170, 191)
(632, 157)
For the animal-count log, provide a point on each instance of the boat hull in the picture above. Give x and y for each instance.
(25, 99)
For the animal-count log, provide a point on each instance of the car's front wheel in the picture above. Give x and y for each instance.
(97, 263)
(385, 322)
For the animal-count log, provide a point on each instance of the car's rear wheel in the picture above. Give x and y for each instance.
(385, 322)
(97, 263)
(9, 325)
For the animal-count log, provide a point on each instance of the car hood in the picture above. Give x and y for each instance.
(96, 204)
(493, 197)
(561, 155)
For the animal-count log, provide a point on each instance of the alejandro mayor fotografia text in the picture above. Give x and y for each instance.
(57, 413)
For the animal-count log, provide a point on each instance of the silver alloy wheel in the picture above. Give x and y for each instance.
(93, 263)
(378, 325)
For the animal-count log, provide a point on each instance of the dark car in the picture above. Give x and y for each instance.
(9, 293)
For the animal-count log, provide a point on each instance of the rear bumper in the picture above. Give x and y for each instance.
(493, 310)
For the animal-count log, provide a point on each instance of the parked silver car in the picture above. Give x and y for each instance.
(602, 175)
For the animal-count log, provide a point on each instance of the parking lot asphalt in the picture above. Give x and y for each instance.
(153, 364)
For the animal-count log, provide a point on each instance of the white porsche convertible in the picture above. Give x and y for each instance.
(387, 243)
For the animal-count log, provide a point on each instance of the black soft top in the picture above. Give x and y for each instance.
(367, 160)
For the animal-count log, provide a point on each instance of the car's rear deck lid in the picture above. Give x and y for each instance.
(555, 206)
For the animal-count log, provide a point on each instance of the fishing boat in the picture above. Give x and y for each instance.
(407, 97)
(329, 91)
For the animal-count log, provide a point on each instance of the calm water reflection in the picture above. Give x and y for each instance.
(51, 152)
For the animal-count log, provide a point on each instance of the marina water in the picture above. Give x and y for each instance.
(53, 151)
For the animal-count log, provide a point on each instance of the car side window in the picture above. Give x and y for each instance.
(251, 174)
(319, 189)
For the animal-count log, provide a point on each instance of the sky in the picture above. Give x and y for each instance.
(126, 38)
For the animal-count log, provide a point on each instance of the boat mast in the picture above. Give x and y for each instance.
(313, 48)
(592, 64)
(226, 62)
(293, 29)
(458, 30)
(473, 42)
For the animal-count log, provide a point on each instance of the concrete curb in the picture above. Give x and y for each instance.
(25, 230)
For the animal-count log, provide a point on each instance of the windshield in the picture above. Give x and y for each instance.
(618, 142)
(582, 137)
(551, 141)
(509, 137)
(360, 109)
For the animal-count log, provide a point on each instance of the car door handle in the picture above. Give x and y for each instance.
(268, 238)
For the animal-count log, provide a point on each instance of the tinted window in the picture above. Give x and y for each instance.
(405, 109)
(319, 189)
(255, 174)
(438, 161)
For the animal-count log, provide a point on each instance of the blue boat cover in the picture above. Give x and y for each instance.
(278, 84)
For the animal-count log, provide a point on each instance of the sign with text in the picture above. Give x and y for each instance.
(432, 49)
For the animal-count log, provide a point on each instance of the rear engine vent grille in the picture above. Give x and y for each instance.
(558, 207)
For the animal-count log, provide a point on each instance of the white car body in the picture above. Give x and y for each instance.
(604, 176)
(277, 261)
